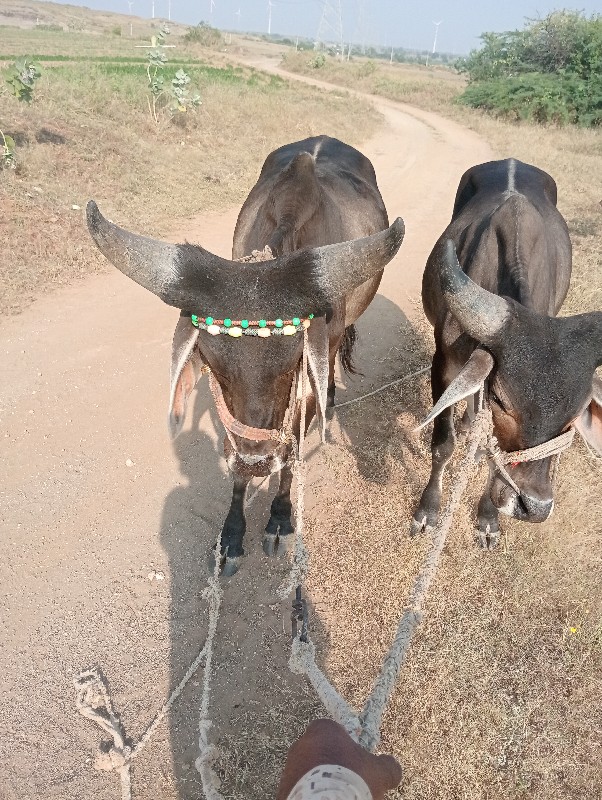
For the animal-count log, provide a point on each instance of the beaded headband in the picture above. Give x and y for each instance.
(261, 327)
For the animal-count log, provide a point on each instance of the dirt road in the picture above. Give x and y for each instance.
(106, 524)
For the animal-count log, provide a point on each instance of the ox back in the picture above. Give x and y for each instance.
(510, 238)
(492, 287)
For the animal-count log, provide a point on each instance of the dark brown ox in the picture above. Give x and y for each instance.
(317, 206)
(492, 286)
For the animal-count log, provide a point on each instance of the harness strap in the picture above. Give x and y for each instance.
(234, 426)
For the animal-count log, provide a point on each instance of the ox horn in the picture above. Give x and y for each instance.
(146, 261)
(480, 313)
(311, 279)
(344, 266)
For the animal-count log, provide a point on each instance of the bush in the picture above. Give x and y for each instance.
(539, 98)
(204, 35)
(317, 61)
(548, 72)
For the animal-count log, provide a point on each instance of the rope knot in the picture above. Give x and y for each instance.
(114, 758)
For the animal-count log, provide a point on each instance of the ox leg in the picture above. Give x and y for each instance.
(442, 448)
(234, 529)
(278, 539)
(468, 417)
(488, 525)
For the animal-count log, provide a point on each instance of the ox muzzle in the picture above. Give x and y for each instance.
(522, 482)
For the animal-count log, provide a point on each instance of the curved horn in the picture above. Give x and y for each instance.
(146, 261)
(344, 266)
(193, 279)
(480, 313)
(468, 381)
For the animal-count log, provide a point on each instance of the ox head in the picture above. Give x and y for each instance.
(255, 374)
(540, 380)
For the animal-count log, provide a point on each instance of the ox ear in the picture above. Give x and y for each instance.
(589, 424)
(318, 368)
(186, 369)
(468, 382)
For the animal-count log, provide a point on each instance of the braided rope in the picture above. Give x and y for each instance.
(300, 563)
(366, 727)
(213, 593)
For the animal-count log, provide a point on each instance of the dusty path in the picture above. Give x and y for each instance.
(106, 524)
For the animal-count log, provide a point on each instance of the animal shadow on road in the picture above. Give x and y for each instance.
(258, 707)
(378, 430)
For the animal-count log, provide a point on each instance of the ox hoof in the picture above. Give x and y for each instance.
(488, 536)
(421, 523)
(228, 566)
(278, 545)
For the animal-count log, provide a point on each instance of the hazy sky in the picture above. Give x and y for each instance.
(403, 23)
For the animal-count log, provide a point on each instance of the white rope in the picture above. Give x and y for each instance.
(300, 563)
(208, 753)
(366, 728)
(93, 702)
(382, 388)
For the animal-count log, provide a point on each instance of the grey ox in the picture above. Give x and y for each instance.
(317, 206)
(492, 287)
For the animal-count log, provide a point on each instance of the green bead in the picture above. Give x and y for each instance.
(195, 320)
(278, 323)
(311, 316)
(244, 323)
(262, 323)
(296, 321)
(208, 320)
(227, 323)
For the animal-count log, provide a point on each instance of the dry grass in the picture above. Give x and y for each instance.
(89, 134)
(499, 697)
(427, 87)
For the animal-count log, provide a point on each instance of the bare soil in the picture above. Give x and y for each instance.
(108, 525)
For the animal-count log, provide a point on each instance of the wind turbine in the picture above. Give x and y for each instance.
(130, 4)
(269, 17)
(211, 7)
(436, 24)
(237, 15)
(169, 10)
(152, 9)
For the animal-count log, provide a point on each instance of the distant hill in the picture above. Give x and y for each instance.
(36, 14)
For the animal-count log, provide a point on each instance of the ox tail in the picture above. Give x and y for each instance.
(346, 351)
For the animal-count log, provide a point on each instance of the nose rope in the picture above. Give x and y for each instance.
(234, 427)
(552, 448)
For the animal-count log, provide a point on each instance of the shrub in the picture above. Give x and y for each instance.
(542, 98)
(548, 72)
(204, 35)
(317, 61)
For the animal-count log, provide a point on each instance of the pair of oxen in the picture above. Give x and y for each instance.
(492, 287)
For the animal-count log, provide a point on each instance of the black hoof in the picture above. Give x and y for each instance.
(422, 522)
(278, 545)
(488, 535)
(228, 566)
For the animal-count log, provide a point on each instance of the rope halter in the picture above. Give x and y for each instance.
(552, 448)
